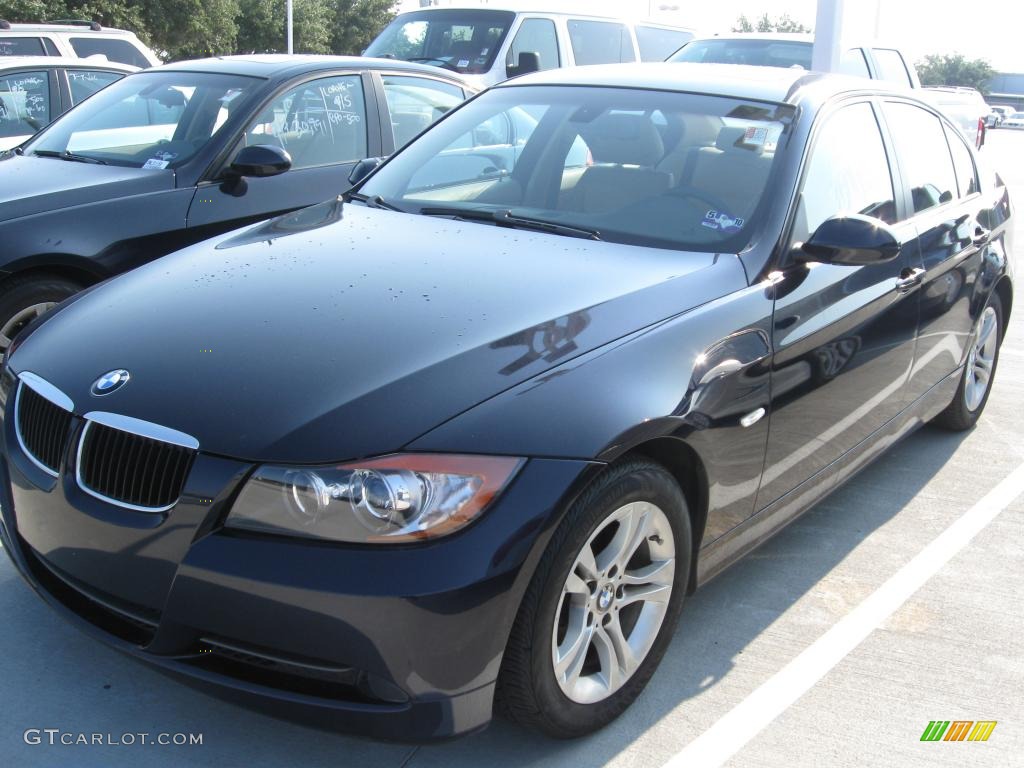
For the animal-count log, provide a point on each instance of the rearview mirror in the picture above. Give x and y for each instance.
(260, 160)
(852, 240)
(529, 61)
(363, 169)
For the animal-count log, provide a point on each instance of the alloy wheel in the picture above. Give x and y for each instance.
(20, 319)
(981, 359)
(613, 602)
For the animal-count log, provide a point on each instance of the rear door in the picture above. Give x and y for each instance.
(326, 124)
(843, 336)
(943, 203)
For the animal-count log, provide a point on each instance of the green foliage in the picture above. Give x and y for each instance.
(955, 69)
(357, 22)
(184, 29)
(783, 23)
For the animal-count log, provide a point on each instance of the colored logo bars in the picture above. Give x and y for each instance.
(958, 730)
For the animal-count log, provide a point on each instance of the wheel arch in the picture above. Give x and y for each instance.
(685, 465)
(73, 268)
(1004, 290)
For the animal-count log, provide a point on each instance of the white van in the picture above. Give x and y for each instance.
(489, 44)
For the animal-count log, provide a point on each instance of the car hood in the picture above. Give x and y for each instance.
(341, 331)
(32, 185)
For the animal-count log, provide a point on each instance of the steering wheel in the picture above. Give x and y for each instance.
(441, 62)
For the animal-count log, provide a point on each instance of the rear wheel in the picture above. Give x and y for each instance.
(602, 607)
(976, 382)
(23, 299)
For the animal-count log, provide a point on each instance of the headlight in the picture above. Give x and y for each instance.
(392, 499)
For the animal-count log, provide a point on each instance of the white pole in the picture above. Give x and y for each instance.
(828, 36)
(288, 12)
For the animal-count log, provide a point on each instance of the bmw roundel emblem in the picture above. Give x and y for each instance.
(110, 382)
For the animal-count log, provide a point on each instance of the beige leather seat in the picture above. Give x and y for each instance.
(733, 171)
(625, 148)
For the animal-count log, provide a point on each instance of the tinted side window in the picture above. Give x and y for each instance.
(852, 63)
(535, 36)
(847, 172)
(600, 42)
(891, 66)
(963, 162)
(21, 46)
(416, 102)
(321, 122)
(923, 154)
(114, 49)
(85, 82)
(658, 43)
(24, 103)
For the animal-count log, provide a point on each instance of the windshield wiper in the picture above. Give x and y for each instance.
(374, 201)
(507, 219)
(65, 155)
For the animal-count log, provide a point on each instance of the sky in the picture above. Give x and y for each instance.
(988, 29)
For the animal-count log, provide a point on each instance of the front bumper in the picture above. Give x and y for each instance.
(396, 642)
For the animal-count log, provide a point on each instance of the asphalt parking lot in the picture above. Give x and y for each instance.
(834, 644)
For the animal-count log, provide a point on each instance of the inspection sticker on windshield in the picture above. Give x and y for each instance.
(463, 63)
(722, 222)
(755, 136)
(155, 163)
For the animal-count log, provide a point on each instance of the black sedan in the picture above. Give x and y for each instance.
(176, 154)
(469, 436)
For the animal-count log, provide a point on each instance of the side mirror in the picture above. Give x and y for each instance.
(363, 169)
(529, 61)
(852, 240)
(260, 160)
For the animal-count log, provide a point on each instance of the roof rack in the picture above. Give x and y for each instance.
(93, 25)
(5, 24)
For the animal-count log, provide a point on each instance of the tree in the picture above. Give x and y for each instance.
(784, 23)
(261, 26)
(188, 29)
(955, 69)
(357, 22)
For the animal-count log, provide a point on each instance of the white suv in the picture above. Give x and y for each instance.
(75, 39)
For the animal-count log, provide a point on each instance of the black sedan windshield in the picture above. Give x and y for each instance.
(654, 168)
(152, 120)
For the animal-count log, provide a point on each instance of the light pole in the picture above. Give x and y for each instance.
(288, 14)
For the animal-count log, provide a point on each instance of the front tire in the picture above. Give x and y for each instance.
(23, 299)
(979, 371)
(602, 607)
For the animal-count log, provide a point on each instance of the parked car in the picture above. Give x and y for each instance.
(1015, 120)
(75, 39)
(473, 431)
(777, 49)
(173, 155)
(996, 115)
(966, 107)
(35, 90)
(488, 45)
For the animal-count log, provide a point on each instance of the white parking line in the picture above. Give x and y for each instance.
(744, 721)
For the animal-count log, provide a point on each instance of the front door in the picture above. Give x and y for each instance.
(323, 126)
(843, 336)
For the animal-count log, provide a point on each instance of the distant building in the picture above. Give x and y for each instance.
(1007, 88)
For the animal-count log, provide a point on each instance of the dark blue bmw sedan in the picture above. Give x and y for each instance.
(465, 438)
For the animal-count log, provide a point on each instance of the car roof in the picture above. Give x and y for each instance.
(82, 27)
(740, 81)
(547, 10)
(270, 65)
(17, 62)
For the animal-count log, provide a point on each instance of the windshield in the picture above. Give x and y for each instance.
(461, 40)
(151, 120)
(654, 168)
(760, 53)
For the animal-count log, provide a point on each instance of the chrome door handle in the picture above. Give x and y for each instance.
(981, 236)
(909, 280)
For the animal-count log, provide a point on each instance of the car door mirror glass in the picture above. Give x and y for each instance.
(852, 240)
(261, 160)
(529, 61)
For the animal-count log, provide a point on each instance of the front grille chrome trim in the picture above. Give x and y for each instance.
(143, 429)
(133, 426)
(47, 391)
